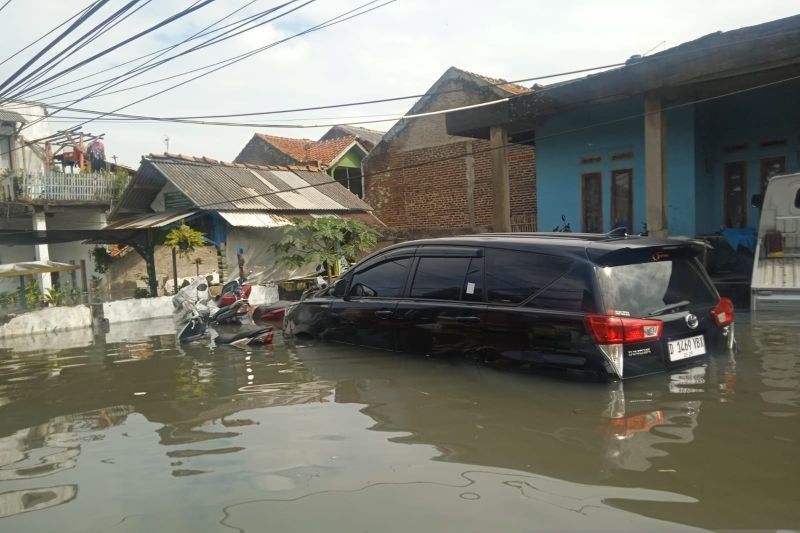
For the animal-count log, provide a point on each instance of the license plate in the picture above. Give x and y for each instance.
(685, 348)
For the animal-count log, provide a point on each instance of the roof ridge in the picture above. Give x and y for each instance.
(181, 158)
(500, 83)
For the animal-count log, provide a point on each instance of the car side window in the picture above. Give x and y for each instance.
(513, 276)
(441, 278)
(383, 280)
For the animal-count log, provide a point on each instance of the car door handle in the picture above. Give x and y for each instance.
(464, 319)
(384, 314)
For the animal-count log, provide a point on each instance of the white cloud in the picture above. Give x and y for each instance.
(397, 50)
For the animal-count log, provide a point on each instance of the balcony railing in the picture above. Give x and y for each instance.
(59, 187)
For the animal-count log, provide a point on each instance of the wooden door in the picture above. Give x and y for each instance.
(735, 194)
(622, 199)
(592, 202)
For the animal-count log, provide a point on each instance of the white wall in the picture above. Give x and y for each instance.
(28, 159)
(70, 218)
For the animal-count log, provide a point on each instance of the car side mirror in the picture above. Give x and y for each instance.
(757, 201)
(362, 290)
(339, 287)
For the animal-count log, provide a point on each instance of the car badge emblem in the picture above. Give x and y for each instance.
(692, 321)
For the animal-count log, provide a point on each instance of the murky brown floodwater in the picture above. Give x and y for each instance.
(130, 435)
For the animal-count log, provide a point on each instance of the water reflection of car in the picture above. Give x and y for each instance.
(609, 305)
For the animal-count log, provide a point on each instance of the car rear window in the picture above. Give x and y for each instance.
(639, 289)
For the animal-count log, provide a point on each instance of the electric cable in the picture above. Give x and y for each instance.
(75, 47)
(81, 19)
(484, 150)
(139, 35)
(328, 23)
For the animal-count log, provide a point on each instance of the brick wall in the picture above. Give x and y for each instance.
(428, 188)
(416, 178)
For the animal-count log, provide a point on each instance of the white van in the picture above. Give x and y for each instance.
(776, 272)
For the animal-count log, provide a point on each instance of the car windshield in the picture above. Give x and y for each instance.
(642, 289)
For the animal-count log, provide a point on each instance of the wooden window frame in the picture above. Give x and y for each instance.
(583, 212)
(745, 188)
(613, 197)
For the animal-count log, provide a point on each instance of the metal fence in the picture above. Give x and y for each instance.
(61, 187)
(526, 222)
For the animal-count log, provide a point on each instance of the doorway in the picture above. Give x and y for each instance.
(735, 194)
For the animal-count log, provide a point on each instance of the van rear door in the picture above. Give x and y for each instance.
(668, 285)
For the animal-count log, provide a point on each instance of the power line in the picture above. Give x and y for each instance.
(15, 54)
(264, 13)
(235, 59)
(492, 148)
(167, 48)
(81, 19)
(141, 69)
(215, 40)
(328, 23)
(4, 5)
(662, 55)
(102, 53)
(76, 46)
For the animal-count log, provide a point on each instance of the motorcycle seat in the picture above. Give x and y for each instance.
(228, 338)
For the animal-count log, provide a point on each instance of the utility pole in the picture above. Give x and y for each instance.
(166, 143)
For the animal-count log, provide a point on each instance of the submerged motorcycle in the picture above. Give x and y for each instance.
(194, 311)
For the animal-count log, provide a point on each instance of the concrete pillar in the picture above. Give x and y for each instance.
(41, 251)
(655, 155)
(469, 165)
(501, 195)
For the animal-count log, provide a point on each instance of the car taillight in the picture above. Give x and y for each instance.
(723, 312)
(620, 330)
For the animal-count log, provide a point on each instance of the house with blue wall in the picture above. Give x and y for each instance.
(679, 140)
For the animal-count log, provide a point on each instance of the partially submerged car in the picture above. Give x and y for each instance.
(613, 306)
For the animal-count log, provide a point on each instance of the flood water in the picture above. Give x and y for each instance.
(132, 432)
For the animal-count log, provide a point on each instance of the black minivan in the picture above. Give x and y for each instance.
(611, 306)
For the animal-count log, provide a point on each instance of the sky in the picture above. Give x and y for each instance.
(399, 49)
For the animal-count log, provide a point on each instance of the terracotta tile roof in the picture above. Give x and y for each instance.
(512, 88)
(165, 156)
(307, 151)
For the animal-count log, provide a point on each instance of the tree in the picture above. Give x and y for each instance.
(184, 240)
(323, 241)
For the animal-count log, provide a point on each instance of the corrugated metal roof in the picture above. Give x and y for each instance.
(307, 196)
(11, 116)
(333, 190)
(152, 220)
(244, 219)
(228, 187)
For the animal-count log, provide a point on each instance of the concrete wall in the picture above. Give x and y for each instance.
(745, 120)
(563, 141)
(76, 217)
(699, 139)
(127, 271)
(28, 158)
(135, 309)
(49, 326)
(49, 321)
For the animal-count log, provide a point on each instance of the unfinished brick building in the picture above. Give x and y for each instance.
(422, 181)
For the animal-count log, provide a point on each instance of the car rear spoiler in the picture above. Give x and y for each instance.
(664, 251)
